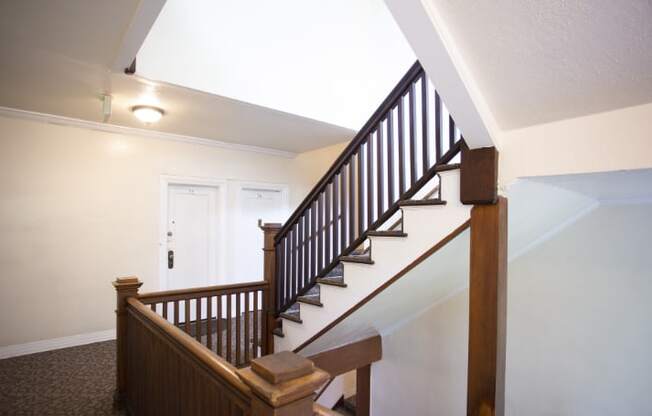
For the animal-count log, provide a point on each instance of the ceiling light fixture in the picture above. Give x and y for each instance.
(147, 114)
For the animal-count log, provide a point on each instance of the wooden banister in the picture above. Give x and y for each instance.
(214, 363)
(164, 370)
(360, 190)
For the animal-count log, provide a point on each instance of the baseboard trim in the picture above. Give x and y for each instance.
(55, 343)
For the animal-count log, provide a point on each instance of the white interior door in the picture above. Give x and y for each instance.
(255, 203)
(192, 236)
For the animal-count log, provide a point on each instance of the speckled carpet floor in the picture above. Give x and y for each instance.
(69, 381)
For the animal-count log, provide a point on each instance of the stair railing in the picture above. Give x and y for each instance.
(402, 146)
(162, 369)
(229, 320)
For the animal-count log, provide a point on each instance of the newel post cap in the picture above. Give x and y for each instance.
(127, 283)
(283, 378)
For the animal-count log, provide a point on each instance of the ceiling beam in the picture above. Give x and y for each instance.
(438, 54)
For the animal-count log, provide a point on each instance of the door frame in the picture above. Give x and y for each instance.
(221, 186)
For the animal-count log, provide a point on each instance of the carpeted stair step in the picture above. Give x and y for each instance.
(357, 259)
(387, 233)
(332, 281)
(310, 300)
(421, 202)
(293, 316)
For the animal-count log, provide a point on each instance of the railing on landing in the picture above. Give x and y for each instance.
(396, 152)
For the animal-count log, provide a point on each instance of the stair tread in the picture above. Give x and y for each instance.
(332, 281)
(357, 259)
(278, 332)
(310, 300)
(421, 202)
(387, 233)
(291, 316)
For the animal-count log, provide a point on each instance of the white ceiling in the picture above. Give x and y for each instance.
(333, 60)
(538, 61)
(56, 59)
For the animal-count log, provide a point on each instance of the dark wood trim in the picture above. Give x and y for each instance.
(487, 310)
(363, 391)
(199, 292)
(479, 176)
(387, 284)
(350, 356)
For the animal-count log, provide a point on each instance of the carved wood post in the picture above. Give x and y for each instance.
(487, 310)
(125, 287)
(283, 384)
(269, 249)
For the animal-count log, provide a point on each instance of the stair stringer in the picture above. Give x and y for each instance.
(424, 225)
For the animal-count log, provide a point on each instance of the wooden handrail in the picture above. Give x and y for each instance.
(191, 293)
(217, 365)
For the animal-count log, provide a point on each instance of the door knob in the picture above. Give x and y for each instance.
(170, 259)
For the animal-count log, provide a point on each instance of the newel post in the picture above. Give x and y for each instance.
(283, 384)
(125, 288)
(487, 310)
(269, 249)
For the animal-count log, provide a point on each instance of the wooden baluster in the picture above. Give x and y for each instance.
(306, 248)
(153, 307)
(401, 149)
(229, 332)
(280, 273)
(300, 254)
(413, 134)
(336, 205)
(370, 182)
(247, 338)
(186, 317)
(198, 319)
(343, 211)
(218, 317)
(352, 200)
(451, 132)
(176, 313)
(320, 235)
(438, 139)
(391, 195)
(313, 238)
(238, 330)
(361, 198)
(165, 311)
(425, 146)
(288, 268)
(327, 226)
(255, 324)
(380, 182)
(209, 323)
(293, 265)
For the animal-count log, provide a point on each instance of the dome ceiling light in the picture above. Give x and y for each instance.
(147, 114)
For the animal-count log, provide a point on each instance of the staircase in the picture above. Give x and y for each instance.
(421, 224)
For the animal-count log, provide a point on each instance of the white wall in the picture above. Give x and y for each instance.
(332, 61)
(620, 139)
(578, 330)
(79, 208)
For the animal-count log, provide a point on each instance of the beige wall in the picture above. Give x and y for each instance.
(615, 140)
(79, 207)
(578, 330)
